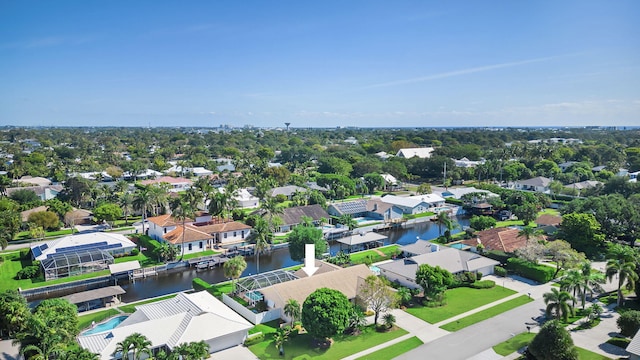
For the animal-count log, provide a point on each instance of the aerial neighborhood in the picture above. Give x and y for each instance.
(328, 243)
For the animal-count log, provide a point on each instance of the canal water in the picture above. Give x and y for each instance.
(180, 279)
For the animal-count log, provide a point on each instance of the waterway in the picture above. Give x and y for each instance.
(180, 279)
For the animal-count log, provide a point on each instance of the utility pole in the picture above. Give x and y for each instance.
(445, 176)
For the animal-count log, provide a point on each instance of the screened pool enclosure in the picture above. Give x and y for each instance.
(75, 263)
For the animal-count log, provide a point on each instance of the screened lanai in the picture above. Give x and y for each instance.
(75, 263)
(258, 281)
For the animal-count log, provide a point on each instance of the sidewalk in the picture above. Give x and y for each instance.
(428, 332)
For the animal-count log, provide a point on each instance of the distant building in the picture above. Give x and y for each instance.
(408, 153)
(538, 184)
(415, 204)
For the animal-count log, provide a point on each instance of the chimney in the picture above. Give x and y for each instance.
(375, 207)
(435, 247)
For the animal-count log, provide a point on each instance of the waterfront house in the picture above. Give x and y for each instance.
(168, 323)
(415, 204)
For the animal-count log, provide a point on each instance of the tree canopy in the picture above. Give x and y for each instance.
(302, 235)
(325, 313)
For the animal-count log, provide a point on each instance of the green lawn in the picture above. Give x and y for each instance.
(361, 257)
(199, 254)
(509, 223)
(514, 344)
(27, 234)
(266, 328)
(84, 321)
(394, 350)
(415, 216)
(458, 301)
(222, 288)
(486, 314)
(584, 354)
(131, 308)
(344, 345)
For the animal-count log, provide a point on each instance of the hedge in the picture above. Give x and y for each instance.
(199, 284)
(254, 339)
(539, 273)
(149, 243)
(500, 271)
(499, 256)
(454, 201)
(483, 284)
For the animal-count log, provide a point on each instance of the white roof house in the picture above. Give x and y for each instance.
(415, 204)
(453, 260)
(110, 242)
(182, 319)
(422, 153)
(389, 179)
(245, 199)
(459, 192)
(634, 347)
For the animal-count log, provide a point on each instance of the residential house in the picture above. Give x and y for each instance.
(175, 184)
(403, 271)
(415, 204)
(168, 323)
(43, 192)
(292, 217)
(78, 217)
(375, 209)
(549, 224)
(390, 182)
(344, 280)
(34, 181)
(634, 347)
(633, 176)
(24, 215)
(466, 163)
(506, 240)
(537, 184)
(287, 191)
(225, 165)
(418, 248)
(566, 165)
(582, 185)
(458, 192)
(422, 153)
(362, 241)
(245, 200)
(146, 174)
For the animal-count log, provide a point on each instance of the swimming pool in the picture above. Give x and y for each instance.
(460, 246)
(363, 219)
(375, 269)
(106, 326)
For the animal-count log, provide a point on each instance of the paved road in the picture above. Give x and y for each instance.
(472, 340)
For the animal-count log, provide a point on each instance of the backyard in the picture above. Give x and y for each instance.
(458, 301)
(374, 255)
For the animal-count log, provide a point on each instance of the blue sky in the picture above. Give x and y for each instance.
(320, 63)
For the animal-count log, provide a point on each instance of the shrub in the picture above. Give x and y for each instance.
(539, 273)
(28, 272)
(254, 339)
(483, 284)
(454, 201)
(135, 252)
(149, 243)
(499, 256)
(478, 276)
(199, 284)
(25, 254)
(629, 322)
(500, 271)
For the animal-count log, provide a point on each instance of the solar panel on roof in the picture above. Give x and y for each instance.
(44, 246)
(36, 251)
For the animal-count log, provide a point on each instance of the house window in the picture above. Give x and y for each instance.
(234, 234)
(190, 246)
(225, 235)
(165, 230)
(201, 245)
(243, 234)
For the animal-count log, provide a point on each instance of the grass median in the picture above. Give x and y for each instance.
(486, 314)
(394, 350)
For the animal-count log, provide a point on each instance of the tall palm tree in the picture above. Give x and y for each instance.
(234, 268)
(558, 303)
(280, 337)
(527, 232)
(590, 281)
(262, 235)
(443, 220)
(142, 201)
(135, 342)
(625, 270)
(181, 209)
(571, 282)
(126, 203)
(271, 209)
(158, 195)
(292, 310)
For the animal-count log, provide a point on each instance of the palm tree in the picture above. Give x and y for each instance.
(262, 236)
(271, 209)
(558, 303)
(348, 221)
(625, 269)
(123, 347)
(199, 349)
(572, 282)
(292, 310)
(165, 251)
(405, 295)
(158, 196)
(142, 201)
(590, 281)
(443, 220)
(280, 337)
(527, 232)
(77, 352)
(139, 344)
(126, 203)
(234, 268)
(182, 210)
(389, 319)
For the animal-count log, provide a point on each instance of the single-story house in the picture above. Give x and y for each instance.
(634, 347)
(24, 215)
(146, 174)
(390, 182)
(566, 165)
(115, 244)
(459, 192)
(422, 153)
(550, 224)
(633, 176)
(538, 184)
(587, 184)
(175, 184)
(499, 239)
(171, 322)
(372, 208)
(344, 280)
(35, 181)
(418, 248)
(225, 165)
(292, 216)
(455, 261)
(43, 192)
(78, 217)
(415, 204)
(466, 163)
(287, 191)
